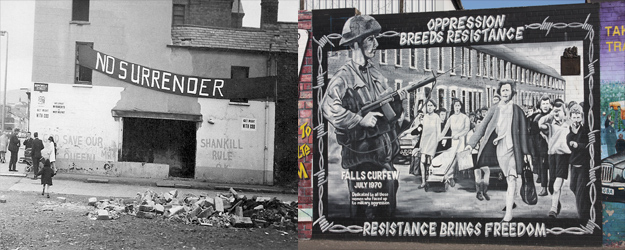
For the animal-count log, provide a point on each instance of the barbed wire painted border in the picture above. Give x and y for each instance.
(590, 225)
(328, 226)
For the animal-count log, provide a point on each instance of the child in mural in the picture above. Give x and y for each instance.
(496, 99)
(444, 144)
(459, 124)
(558, 151)
(504, 129)
(416, 130)
(46, 177)
(538, 145)
(482, 173)
(430, 137)
(4, 145)
(577, 140)
(369, 141)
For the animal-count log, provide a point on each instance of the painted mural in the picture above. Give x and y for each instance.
(444, 126)
(613, 121)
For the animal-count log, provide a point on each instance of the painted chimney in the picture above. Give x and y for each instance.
(269, 14)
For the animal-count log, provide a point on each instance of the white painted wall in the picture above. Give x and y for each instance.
(86, 130)
(247, 156)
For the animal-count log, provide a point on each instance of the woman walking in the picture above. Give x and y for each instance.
(459, 123)
(429, 138)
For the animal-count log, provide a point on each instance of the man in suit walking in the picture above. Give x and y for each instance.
(14, 147)
(36, 154)
(505, 129)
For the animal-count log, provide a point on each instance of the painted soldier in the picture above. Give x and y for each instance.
(369, 141)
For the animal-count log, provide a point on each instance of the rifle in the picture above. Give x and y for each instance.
(384, 101)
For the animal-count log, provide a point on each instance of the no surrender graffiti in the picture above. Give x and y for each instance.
(164, 81)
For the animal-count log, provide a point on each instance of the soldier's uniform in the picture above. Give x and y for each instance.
(363, 148)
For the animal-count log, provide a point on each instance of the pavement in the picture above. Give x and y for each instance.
(126, 187)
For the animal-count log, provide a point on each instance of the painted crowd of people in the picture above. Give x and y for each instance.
(551, 139)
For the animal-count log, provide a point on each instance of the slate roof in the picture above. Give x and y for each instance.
(282, 39)
(502, 52)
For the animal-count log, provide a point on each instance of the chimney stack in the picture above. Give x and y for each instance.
(268, 14)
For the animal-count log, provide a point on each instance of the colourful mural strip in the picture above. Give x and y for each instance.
(612, 122)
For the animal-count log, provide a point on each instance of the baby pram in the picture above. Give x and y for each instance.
(27, 159)
(438, 172)
(444, 163)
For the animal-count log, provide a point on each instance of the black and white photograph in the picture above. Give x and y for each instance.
(149, 124)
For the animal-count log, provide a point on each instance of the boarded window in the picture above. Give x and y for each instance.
(80, 10)
(238, 72)
(178, 14)
(82, 73)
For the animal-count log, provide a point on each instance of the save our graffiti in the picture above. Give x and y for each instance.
(83, 147)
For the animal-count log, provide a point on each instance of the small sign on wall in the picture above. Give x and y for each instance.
(58, 108)
(41, 87)
(248, 124)
(42, 111)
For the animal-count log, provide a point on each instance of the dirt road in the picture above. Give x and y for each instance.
(31, 221)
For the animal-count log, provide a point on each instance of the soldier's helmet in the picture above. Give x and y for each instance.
(359, 27)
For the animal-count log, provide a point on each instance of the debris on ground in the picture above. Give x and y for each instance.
(223, 210)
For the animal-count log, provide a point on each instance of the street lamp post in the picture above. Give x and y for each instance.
(6, 64)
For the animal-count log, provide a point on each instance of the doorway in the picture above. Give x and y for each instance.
(171, 142)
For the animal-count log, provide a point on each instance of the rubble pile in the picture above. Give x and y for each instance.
(223, 210)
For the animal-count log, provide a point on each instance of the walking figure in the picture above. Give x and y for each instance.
(46, 177)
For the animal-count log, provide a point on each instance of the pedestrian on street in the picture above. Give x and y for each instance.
(51, 152)
(14, 147)
(610, 136)
(28, 146)
(46, 176)
(28, 143)
(620, 144)
(4, 145)
(36, 154)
